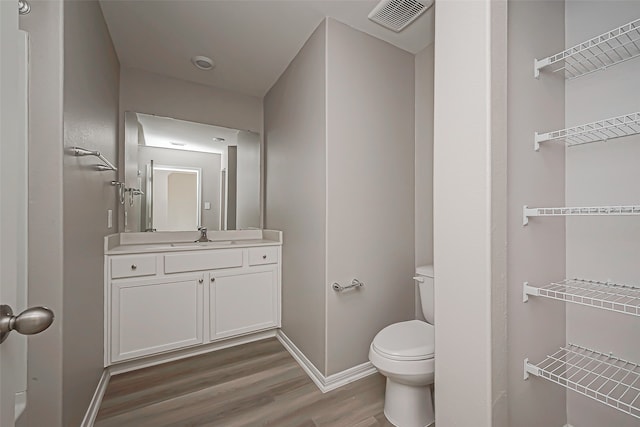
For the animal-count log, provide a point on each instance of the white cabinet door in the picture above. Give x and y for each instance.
(243, 301)
(155, 315)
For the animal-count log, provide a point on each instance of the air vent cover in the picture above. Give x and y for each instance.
(397, 14)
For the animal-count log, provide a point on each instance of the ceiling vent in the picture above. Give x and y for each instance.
(397, 14)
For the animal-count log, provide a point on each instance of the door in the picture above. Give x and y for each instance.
(13, 219)
(150, 316)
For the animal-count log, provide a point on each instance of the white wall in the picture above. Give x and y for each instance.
(370, 190)
(536, 253)
(295, 141)
(145, 92)
(468, 187)
(248, 189)
(597, 174)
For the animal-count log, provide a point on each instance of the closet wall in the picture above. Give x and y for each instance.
(599, 174)
(536, 253)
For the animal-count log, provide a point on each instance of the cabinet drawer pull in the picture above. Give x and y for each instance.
(264, 257)
(213, 279)
(134, 266)
(200, 281)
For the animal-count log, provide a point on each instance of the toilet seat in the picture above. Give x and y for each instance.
(406, 341)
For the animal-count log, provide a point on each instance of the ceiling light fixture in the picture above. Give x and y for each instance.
(179, 144)
(203, 63)
(216, 139)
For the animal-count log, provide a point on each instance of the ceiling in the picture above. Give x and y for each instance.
(165, 132)
(251, 41)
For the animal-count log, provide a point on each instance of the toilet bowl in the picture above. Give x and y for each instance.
(404, 352)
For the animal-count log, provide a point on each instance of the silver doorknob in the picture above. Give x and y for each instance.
(31, 321)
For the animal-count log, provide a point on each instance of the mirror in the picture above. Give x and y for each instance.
(181, 175)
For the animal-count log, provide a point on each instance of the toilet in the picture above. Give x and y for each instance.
(404, 353)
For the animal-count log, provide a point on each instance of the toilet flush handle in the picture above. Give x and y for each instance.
(419, 279)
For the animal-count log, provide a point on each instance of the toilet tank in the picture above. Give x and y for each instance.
(424, 277)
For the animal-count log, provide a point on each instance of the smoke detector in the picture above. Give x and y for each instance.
(203, 62)
(397, 14)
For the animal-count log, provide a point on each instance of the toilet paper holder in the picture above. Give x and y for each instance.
(355, 283)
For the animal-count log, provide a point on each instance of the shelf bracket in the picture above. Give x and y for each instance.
(537, 139)
(536, 69)
(526, 213)
(530, 369)
(529, 290)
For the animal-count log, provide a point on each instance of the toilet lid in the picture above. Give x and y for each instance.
(412, 340)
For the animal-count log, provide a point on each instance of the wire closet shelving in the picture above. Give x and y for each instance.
(626, 210)
(599, 53)
(602, 130)
(603, 295)
(603, 377)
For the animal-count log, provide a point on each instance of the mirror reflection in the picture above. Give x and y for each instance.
(190, 175)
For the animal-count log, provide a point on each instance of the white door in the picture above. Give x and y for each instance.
(13, 218)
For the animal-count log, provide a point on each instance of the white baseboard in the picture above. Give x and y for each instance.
(331, 382)
(96, 400)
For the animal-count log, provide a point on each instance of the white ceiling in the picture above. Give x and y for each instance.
(165, 132)
(251, 41)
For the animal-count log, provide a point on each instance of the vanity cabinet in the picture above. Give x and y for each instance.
(155, 315)
(157, 302)
(243, 301)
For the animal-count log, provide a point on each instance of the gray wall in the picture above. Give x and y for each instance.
(536, 253)
(295, 141)
(370, 190)
(424, 156)
(604, 173)
(145, 92)
(208, 162)
(45, 27)
(91, 78)
(248, 180)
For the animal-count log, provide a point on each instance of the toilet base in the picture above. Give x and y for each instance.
(408, 406)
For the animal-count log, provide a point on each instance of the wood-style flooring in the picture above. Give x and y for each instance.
(256, 384)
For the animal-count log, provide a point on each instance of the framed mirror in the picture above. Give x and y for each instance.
(182, 175)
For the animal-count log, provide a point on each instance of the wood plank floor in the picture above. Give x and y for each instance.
(256, 384)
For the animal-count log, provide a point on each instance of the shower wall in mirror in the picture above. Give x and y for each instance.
(190, 175)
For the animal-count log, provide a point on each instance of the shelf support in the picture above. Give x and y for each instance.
(530, 369)
(529, 290)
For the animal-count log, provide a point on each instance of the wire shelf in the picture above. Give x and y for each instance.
(599, 53)
(603, 130)
(602, 377)
(603, 295)
(528, 212)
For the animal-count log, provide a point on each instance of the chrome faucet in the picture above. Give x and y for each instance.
(203, 235)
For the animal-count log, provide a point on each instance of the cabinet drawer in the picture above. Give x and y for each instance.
(133, 266)
(264, 255)
(209, 260)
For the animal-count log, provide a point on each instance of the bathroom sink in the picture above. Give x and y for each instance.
(201, 244)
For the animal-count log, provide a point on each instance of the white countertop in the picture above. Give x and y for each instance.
(135, 243)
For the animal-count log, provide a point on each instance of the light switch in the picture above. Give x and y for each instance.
(110, 218)
(207, 205)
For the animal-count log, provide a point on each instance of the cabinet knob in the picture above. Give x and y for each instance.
(200, 280)
(264, 257)
(213, 279)
(134, 266)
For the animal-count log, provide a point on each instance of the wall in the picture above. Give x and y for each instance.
(91, 76)
(145, 92)
(45, 27)
(599, 174)
(208, 162)
(295, 141)
(469, 179)
(536, 253)
(370, 190)
(248, 180)
(423, 162)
